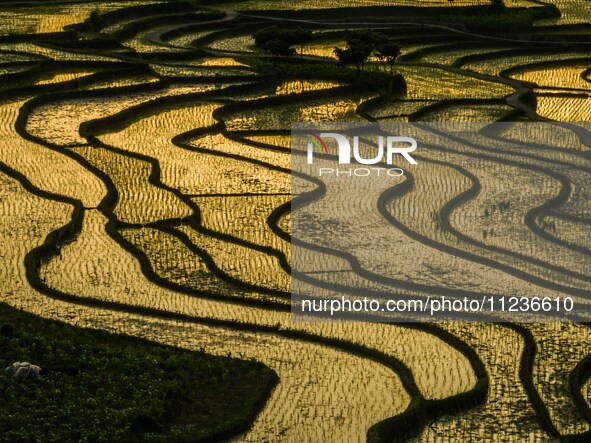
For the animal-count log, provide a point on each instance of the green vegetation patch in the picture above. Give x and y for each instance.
(503, 18)
(101, 387)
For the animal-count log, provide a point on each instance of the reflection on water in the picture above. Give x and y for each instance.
(316, 4)
(561, 346)
(496, 63)
(63, 77)
(570, 77)
(507, 415)
(33, 19)
(59, 122)
(180, 197)
(89, 267)
(574, 108)
(70, 177)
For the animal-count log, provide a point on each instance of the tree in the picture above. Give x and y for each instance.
(388, 51)
(93, 20)
(280, 42)
(352, 55)
(277, 47)
(301, 37)
(498, 6)
(359, 46)
(264, 35)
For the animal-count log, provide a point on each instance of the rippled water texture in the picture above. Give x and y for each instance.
(161, 140)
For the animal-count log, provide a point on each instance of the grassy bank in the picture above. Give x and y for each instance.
(96, 386)
(507, 19)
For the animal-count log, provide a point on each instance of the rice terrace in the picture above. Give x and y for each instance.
(146, 220)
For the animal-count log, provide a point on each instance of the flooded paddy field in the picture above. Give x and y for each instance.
(145, 189)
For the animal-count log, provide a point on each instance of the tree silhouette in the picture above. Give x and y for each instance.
(498, 5)
(280, 42)
(359, 47)
(301, 37)
(388, 51)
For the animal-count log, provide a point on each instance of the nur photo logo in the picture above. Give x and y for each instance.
(352, 149)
